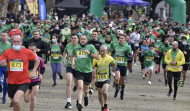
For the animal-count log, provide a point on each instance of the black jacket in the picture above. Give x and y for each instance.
(96, 44)
(40, 44)
(185, 48)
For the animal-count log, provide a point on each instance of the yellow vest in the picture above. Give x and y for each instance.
(180, 59)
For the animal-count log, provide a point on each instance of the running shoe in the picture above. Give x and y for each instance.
(149, 82)
(11, 105)
(77, 103)
(121, 94)
(174, 97)
(166, 82)
(182, 84)
(116, 93)
(106, 108)
(102, 109)
(156, 72)
(131, 71)
(169, 93)
(68, 105)
(134, 64)
(126, 79)
(54, 85)
(179, 83)
(79, 107)
(91, 91)
(60, 76)
(4, 100)
(86, 101)
(143, 76)
(74, 88)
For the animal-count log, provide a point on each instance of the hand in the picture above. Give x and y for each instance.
(73, 66)
(38, 50)
(40, 76)
(184, 52)
(113, 73)
(2, 62)
(142, 51)
(32, 75)
(60, 56)
(49, 52)
(86, 51)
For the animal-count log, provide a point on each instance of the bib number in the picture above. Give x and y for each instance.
(36, 75)
(16, 65)
(82, 54)
(120, 59)
(55, 55)
(174, 66)
(102, 77)
(148, 58)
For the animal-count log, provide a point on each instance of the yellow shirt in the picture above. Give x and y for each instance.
(180, 59)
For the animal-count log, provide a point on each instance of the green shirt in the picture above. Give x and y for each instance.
(69, 49)
(120, 54)
(102, 38)
(83, 60)
(4, 47)
(26, 31)
(158, 45)
(164, 50)
(149, 58)
(55, 54)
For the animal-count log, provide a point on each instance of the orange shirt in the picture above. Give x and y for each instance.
(156, 34)
(17, 62)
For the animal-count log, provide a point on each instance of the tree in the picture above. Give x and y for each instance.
(3, 7)
(16, 6)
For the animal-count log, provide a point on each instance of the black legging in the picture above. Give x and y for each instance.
(176, 76)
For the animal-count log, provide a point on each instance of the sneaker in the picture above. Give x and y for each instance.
(54, 85)
(143, 76)
(86, 101)
(102, 109)
(134, 64)
(79, 107)
(91, 91)
(106, 109)
(60, 76)
(68, 105)
(131, 71)
(156, 72)
(116, 93)
(182, 84)
(126, 79)
(77, 103)
(149, 82)
(121, 94)
(179, 83)
(11, 105)
(74, 88)
(3, 100)
(166, 82)
(169, 93)
(174, 97)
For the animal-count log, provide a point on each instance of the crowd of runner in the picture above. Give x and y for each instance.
(93, 51)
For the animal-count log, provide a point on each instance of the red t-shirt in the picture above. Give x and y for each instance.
(17, 62)
(156, 34)
(13, 32)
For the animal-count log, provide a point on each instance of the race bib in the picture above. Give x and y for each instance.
(120, 59)
(16, 65)
(157, 48)
(36, 74)
(101, 77)
(55, 55)
(47, 39)
(174, 66)
(148, 58)
(82, 54)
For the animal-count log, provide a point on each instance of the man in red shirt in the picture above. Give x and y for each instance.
(155, 32)
(18, 79)
(15, 30)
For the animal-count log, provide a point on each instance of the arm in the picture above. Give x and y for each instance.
(166, 58)
(95, 55)
(114, 67)
(36, 64)
(44, 48)
(73, 61)
(64, 56)
(182, 60)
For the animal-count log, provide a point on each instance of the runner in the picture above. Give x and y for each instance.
(84, 54)
(174, 58)
(149, 57)
(103, 75)
(69, 71)
(18, 76)
(184, 47)
(56, 51)
(32, 91)
(4, 45)
(143, 48)
(162, 54)
(122, 51)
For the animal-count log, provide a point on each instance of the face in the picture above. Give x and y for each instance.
(4, 37)
(144, 42)
(151, 48)
(83, 40)
(108, 38)
(128, 39)
(174, 46)
(94, 35)
(74, 39)
(103, 51)
(17, 40)
(121, 39)
(166, 42)
(16, 26)
(36, 35)
(54, 37)
(32, 48)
